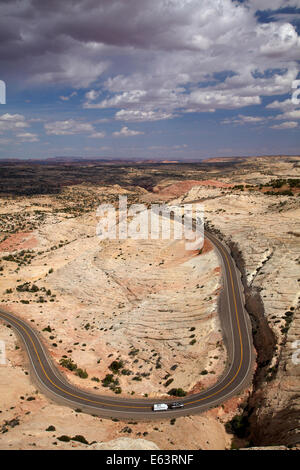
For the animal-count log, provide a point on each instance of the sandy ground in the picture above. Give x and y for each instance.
(26, 415)
(149, 304)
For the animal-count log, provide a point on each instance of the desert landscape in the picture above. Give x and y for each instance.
(140, 318)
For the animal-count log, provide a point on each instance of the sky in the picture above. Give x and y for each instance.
(149, 79)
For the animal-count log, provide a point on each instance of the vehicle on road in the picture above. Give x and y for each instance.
(176, 404)
(160, 407)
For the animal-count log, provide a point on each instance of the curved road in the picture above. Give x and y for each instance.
(236, 330)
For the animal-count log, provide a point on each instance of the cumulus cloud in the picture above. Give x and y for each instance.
(139, 116)
(151, 60)
(285, 125)
(97, 135)
(16, 125)
(294, 114)
(125, 132)
(285, 105)
(92, 95)
(271, 4)
(27, 137)
(12, 122)
(68, 127)
(241, 119)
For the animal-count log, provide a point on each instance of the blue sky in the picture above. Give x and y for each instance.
(178, 79)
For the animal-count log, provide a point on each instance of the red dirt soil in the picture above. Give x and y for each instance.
(19, 241)
(207, 246)
(177, 189)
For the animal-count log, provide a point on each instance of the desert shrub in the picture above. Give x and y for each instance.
(115, 366)
(168, 382)
(177, 392)
(134, 352)
(68, 364)
(82, 373)
(108, 380)
(237, 426)
(79, 438)
(51, 428)
(64, 438)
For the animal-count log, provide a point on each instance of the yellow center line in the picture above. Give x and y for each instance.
(63, 390)
(240, 337)
(136, 406)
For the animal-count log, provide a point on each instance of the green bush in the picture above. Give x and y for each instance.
(177, 392)
(68, 364)
(82, 373)
(79, 438)
(168, 382)
(95, 379)
(48, 328)
(64, 438)
(108, 380)
(51, 428)
(115, 366)
(237, 426)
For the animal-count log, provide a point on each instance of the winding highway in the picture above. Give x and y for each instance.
(237, 336)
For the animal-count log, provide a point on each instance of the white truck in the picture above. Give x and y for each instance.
(160, 407)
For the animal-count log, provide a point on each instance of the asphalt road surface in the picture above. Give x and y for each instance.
(237, 336)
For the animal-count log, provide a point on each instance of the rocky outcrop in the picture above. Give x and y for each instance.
(125, 443)
(260, 230)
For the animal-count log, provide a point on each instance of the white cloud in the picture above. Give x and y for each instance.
(140, 116)
(285, 105)
(242, 119)
(98, 135)
(68, 127)
(92, 95)
(27, 137)
(125, 132)
(271, 4)
(169, 71)
(73, 69)
(278, 39)
(68, 97)
(295, 114)
(285, 125)
(290, 113)
(12, 122)
(172, 57)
